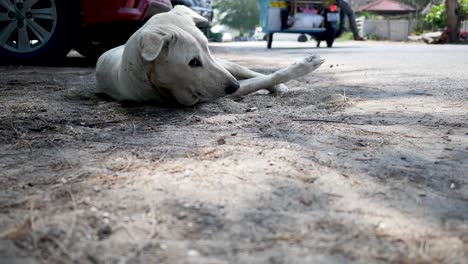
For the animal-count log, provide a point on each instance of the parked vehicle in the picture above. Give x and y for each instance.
(317, 18)
(35, 30)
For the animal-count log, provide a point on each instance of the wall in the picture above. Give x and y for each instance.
(464, 26)
(388, 29)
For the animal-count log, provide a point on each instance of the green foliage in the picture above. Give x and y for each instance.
(366, 14)
(238, 14)
(345, 36)
(464, 9)
(437, 16)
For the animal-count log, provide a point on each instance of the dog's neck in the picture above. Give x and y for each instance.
(130, 75)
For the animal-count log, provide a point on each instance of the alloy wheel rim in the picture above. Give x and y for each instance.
(26, 25)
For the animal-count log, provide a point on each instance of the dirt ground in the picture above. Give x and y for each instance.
(364, 161)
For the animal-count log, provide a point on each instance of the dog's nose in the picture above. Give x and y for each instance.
(232, 88)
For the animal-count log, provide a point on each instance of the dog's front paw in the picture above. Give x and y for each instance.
(301, 67)
(309, 63)
(316, 60)
(279, 90)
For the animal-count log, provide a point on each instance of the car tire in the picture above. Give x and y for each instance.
(39, 33)
(302, 38)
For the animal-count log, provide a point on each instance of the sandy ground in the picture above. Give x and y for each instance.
(364, 161)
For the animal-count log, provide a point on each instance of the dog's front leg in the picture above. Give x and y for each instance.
(295, 70)
(243, 73)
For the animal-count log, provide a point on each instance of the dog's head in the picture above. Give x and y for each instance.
(179, 60)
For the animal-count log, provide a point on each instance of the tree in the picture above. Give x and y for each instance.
(436, 17)
(449, 15)
(239, 14)
(453, 15)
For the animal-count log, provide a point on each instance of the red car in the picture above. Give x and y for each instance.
(33, 30)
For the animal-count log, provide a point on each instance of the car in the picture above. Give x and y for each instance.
(43, 30)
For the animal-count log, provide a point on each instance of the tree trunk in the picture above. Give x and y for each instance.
(452, 12)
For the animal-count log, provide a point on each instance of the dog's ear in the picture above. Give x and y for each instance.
(151, 44)
(187, 12)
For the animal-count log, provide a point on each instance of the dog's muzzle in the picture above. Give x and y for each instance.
(232, 88)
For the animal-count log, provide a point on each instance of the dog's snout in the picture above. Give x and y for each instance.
(232, 88)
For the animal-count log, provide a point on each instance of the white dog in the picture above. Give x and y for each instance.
(167, 60)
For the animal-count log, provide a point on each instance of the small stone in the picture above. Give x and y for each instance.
(362, 143)
(253, 109)
(193, 253)
(209, 220)
(221, 141)
(234, 134)
(104, 232)
(452, 185)
(181, 215)
(381, 225)
(55, 232)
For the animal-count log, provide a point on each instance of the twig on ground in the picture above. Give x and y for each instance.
(68, 237)
(61, 154)
(62, 249)
(19, 232)
(161, 159)
(326, 121)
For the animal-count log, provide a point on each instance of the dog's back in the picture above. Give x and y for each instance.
(107, 69)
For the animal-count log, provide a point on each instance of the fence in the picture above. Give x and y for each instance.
(464, 26)
(389, 29)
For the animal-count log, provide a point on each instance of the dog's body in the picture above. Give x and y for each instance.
(168, 60)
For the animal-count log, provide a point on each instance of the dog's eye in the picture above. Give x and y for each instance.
(195, 63)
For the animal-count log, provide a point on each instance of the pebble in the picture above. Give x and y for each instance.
(193, 253)
(104, 232)
(452, 185)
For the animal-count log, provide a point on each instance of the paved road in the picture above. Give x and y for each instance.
(388, 66)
